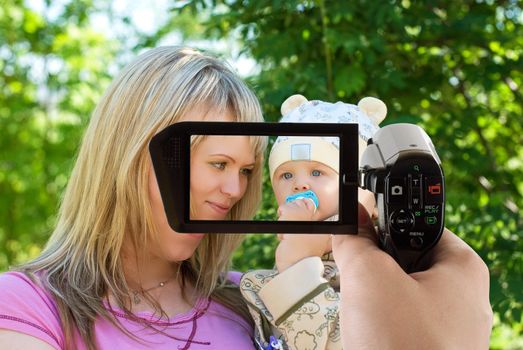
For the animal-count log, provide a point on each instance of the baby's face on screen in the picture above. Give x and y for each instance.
(299, 176)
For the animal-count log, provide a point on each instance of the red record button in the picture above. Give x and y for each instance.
(433, 190)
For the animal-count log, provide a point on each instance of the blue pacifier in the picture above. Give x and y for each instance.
(307, 194)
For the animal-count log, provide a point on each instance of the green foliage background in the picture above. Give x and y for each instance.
(453, 67)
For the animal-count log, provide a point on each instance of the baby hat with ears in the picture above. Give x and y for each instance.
(368, 114)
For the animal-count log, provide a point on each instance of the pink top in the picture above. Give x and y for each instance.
(27, 308)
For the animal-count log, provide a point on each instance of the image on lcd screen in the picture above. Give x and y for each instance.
(300, 177)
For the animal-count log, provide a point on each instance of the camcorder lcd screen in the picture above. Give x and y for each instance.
(211, 180)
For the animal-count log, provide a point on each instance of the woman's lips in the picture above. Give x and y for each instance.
(219, 208)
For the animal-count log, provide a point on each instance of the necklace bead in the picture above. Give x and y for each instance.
(137, 294)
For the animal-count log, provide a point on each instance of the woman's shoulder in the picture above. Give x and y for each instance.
(19, 287)
(26, 307)
(20, 281)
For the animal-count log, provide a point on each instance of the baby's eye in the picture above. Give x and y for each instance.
(316, 173)
(218, 165)
(246, 171)
(286, 176)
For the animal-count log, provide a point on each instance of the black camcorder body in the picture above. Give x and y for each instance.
(400, 166)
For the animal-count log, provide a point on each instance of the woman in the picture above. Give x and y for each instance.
(115, 276)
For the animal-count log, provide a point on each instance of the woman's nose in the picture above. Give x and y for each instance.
(232, 186)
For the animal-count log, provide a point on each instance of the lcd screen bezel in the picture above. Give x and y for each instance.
(170, 154)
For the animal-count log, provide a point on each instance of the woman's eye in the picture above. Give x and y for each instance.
(287, 176)
(246, 171)
(218, 165)
(316, 173)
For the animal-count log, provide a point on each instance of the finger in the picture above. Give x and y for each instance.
(450, 249)
(454, 262)
(366, 233)
(309, 204)
(297, 203)
(293, 205)
(358, 248)
(367, 199)
(366, 227)
(302, 202)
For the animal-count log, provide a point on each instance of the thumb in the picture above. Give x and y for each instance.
(355, 243)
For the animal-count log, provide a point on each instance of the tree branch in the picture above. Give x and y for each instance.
(327, 49)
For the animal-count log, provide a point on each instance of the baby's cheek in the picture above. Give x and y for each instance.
(331, 190)
(280, 193)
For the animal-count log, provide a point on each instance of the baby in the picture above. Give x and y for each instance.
(296, 305)
(305, 183)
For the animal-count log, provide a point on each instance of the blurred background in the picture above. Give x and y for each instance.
(453, 67)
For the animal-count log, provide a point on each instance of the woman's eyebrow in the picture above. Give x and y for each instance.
(229, 157)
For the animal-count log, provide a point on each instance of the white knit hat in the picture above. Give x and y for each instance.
(367, 114)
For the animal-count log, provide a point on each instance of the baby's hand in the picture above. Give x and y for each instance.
(295, 247)
(301, 209)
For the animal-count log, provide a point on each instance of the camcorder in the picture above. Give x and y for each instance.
(400, 166)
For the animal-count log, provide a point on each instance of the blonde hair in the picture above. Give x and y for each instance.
(106, 200)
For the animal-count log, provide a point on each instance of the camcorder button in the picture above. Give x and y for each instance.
(402, 220)
(433, 190)
(415, 191)
(397, 192)
(416, 242)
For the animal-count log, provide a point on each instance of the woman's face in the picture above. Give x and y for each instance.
(219, 175)
(220, 171)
